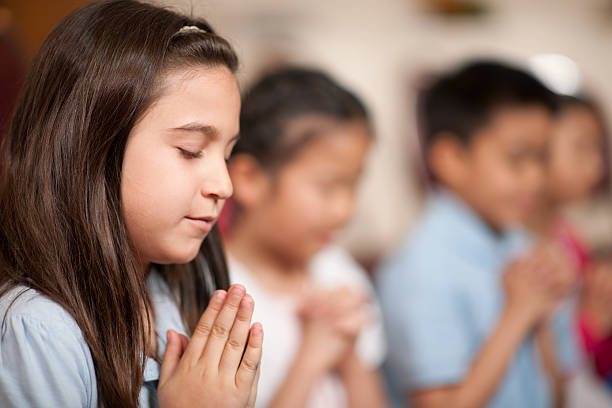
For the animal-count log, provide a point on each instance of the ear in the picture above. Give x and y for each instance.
(447, 158)
(251, 183)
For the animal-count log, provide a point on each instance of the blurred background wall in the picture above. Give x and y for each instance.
(383, 49)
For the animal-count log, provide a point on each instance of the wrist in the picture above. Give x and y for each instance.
(349, 362)
(521, 315)
(309, 364)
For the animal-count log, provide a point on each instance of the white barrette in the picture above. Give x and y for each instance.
(191, 28)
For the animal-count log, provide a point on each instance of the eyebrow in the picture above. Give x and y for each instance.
(206, 130)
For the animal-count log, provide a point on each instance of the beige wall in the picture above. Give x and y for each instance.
(381, 49)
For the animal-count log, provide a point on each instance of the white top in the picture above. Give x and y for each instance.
(332, 267)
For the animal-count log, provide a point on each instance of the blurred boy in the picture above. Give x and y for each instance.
(466, 316)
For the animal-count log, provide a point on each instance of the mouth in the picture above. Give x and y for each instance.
(203, 223)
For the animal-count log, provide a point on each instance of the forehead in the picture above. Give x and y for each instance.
(197, 94)
(341, 146)
(580, 117)
(525, 125)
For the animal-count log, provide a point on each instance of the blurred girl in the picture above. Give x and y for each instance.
(295, 169)
(576, 170)
(115, 174)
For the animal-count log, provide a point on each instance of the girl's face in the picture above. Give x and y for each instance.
(174, 177)
(576, 155)
(313, 195)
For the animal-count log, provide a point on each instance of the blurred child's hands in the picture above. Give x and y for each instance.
(218, 367)
(556, 273)
(596, 301)
(537, 283)
(332, 321)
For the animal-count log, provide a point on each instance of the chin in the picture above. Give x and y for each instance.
(180, 255)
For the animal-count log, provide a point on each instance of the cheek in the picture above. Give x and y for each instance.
(154, 188)
(155, 195)
(506, 193)
(312, 206)
(296, 209)
(496, 177)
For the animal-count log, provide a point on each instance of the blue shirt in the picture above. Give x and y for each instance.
(442, 296)
(45, 361)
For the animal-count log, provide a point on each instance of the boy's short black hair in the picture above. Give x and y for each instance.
(462, 101)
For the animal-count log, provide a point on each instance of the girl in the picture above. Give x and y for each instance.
(295, 170)
(576, 169)
(115, 174)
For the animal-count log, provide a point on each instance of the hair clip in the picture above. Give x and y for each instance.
(191, 28)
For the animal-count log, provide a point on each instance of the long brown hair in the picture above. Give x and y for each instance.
(61, 228)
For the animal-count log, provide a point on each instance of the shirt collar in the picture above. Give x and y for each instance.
(475, 234)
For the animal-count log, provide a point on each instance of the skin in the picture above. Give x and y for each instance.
(311, 197)
(574, 169)
(174, 183)
(533, 286)
(307, 201)
(500, 174)
(596, 301)
(575, 161)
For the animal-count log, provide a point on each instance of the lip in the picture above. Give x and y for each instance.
(203, 223)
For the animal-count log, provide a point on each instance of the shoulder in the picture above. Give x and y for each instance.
(433, 252)
(28, 305)
(44, 358)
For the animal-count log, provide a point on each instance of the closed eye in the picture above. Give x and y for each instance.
(189, 154)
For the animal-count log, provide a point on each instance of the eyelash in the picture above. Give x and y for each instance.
(190, 154)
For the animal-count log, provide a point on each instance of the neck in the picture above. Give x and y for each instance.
(143, 268)
(273, 269)
(543, 219)
(466, 200)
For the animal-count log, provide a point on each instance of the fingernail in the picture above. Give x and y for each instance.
(220, 295)
(247, 302)
(257, 330)
(237, 290)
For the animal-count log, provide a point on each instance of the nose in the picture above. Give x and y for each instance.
(217, 184)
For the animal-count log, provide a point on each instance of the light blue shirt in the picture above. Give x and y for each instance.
(442, 296)
(45, 361)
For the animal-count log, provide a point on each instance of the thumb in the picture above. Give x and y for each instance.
(172, 356)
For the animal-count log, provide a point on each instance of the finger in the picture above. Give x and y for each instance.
(245, 376)
(230, 359)
(340, 299)
(354, 323)
(202, 330)
(253, 392)
(172, 355)
(316, 305)
(353, 300)
(220, 330)
(184, 342)
(308, 305)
